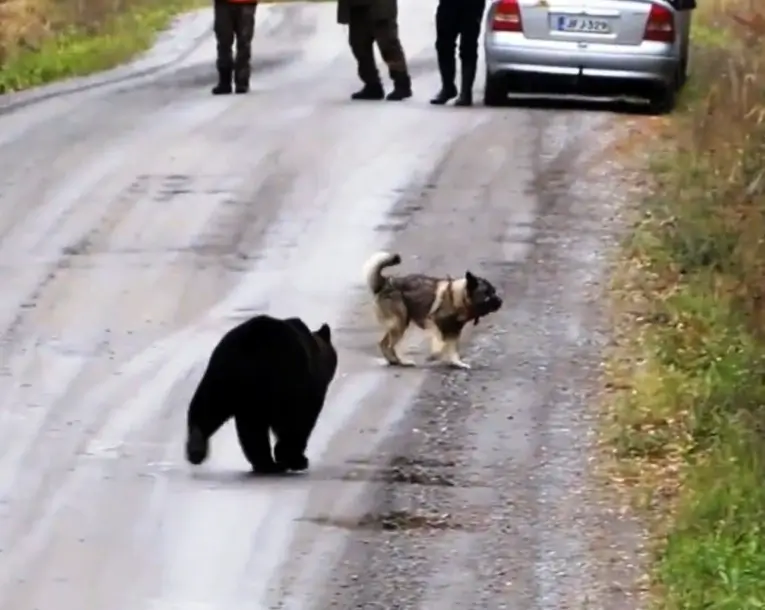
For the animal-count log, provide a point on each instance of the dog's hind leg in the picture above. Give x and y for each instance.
(388, 345)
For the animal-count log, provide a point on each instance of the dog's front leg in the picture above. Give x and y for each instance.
(451, 354)
(436, 344)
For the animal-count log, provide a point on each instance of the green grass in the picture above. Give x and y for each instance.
(102, 40)
(78, 52)
(687, 427)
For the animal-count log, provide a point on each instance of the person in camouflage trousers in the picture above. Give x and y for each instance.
(234, 22)
(370, 22)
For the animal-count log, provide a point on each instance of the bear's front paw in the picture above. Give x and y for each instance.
(296, 463)
(197, 447)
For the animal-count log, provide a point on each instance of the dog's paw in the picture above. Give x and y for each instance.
(399, 363)
(459, 364)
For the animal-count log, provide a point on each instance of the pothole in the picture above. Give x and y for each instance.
(404, 470)
(398, 520)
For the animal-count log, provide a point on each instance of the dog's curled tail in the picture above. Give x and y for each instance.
(374, 266)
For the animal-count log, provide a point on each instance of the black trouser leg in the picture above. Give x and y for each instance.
(447, 29)
(224, 37)
(245, 30)
(469, 34)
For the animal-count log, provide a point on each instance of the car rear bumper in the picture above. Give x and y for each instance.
(651, 62)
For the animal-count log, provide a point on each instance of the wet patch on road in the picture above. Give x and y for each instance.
(395, 521)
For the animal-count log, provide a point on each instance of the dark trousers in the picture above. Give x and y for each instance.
(363, 33)
(234, 22)
(458, 19)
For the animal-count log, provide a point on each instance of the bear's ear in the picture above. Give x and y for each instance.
(325, 333)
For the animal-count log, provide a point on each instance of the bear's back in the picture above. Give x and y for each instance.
(268, 347)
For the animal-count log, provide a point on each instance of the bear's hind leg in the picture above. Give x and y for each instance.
(288, 458)
(256, 445)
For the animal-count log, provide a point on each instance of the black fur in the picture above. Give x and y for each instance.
(268, 374)
(482, 295)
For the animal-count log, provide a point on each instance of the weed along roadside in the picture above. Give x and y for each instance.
(42, 41)
(685, 416)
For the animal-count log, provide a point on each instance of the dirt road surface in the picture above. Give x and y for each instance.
(141, 217)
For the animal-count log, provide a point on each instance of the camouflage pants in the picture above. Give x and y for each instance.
(363, 33)
(234, 21)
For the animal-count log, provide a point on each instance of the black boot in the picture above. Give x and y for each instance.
(466, 87)
(370, 91)
(224, 83)
(447, 68)
(402, 88)
(242, 75)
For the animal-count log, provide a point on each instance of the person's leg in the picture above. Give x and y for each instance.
(224, 36)
(447, 30)
(469, 34)
(361, 41)
(389, 43)
(245, 30)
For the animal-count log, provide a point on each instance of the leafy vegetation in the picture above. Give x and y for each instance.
(686, 425)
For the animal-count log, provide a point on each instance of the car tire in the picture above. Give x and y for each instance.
(683, 71)
(495, 90)
(663, 100)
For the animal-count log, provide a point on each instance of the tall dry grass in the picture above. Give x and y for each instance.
(689, 425)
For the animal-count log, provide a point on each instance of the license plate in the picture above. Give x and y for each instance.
(582, 25)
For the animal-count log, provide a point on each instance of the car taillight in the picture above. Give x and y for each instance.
(661, 25)
(507, 17)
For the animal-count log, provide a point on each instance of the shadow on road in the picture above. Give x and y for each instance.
(587, 104)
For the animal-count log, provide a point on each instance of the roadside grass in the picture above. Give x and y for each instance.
(685, 423)
(46, 40)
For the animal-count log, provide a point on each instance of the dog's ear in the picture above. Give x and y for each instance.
(471, 280)
(325, 333)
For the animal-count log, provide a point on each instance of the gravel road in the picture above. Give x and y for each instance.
(140, 217)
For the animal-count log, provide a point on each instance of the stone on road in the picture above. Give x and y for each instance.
(142, 217)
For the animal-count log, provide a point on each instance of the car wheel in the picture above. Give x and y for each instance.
(494, 91)
(663, 100)
(683, 71)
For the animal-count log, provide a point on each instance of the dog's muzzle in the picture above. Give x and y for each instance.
(488, 306)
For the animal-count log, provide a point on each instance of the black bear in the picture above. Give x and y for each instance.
(269, 374)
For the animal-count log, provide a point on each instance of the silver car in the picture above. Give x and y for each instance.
(600, 47)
